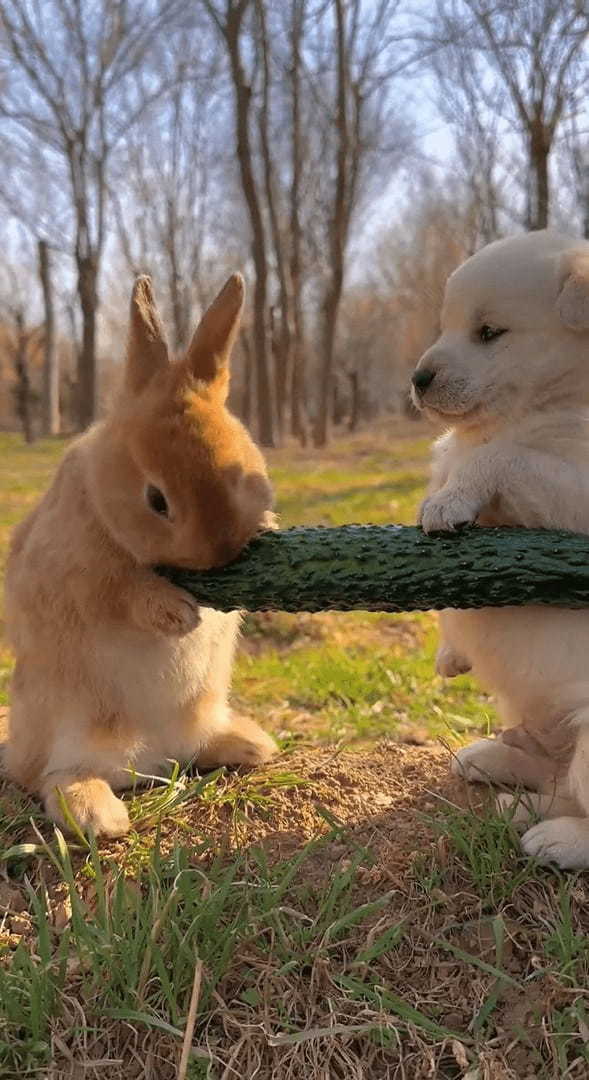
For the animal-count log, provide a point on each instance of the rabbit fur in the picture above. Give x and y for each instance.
(118, 672)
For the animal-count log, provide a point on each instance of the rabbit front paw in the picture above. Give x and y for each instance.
(166, 610)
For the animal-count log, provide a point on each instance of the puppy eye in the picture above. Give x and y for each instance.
(156, 500)
(489, 333)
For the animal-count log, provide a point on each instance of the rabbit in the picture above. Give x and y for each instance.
(117, 671)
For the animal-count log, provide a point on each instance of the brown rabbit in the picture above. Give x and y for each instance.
(117, 671)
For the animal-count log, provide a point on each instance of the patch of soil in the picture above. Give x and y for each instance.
(301, 794)
(381, 797)
(384, 799)
(377, 790)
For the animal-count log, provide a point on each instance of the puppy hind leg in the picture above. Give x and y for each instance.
(496, 762)
(450, 663)
(564, 840)
(526, 807)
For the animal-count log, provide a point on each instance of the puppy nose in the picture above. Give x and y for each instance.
(422, 379)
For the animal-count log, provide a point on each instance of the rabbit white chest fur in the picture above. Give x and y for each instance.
(159, 682)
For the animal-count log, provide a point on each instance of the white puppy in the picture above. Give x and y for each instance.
(509, 377)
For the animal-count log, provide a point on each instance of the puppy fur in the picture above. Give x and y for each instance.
(117, 671)
(509, 379)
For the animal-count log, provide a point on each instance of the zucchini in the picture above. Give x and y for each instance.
(396, 568)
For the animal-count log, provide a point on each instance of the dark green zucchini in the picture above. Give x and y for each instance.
(396, 568)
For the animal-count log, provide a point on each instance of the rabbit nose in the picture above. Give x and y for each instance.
(422, 379)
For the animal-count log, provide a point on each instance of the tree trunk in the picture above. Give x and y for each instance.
(584, 170)
(86, 375)
(279, 386)
(298, 418)
(281, 341)
(298, 357)
(329, 321)
(540, 144)
(23, 382)
(264, 394)
(178, 299)
(396, 568)
(246, 401)
(248, 182)
(338, 405)
(337, 235)
(355, 400)
(51, 419)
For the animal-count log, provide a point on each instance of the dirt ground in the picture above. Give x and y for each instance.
(383, 793)
(382, 806)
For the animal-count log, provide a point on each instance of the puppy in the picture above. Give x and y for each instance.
(509, 379)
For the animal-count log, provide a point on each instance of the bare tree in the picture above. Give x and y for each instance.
(161, 187)
(580, 160)
(339, 223)
(535, 55)
(396, 315)
(229, 20)
(68, 90)
(296, 31)
(574, 172)
(482, 161)
(20, 350)
(281, 339)
(369, 53)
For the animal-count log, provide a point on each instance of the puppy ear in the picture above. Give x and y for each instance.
(209, 351)
(572, 302)
(147, 349)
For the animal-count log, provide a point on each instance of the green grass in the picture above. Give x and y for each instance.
(253, 928)
(358, 691)
(297, 968)
(278, 901)
(377, 486)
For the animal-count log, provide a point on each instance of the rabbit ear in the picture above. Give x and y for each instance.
(209, 351)
(147, 349)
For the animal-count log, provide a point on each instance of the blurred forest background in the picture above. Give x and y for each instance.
(346, 154)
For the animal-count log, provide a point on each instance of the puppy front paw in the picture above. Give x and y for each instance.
(450, 663)
(446, 511)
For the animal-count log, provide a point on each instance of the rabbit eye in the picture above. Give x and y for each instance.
(156, 500)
